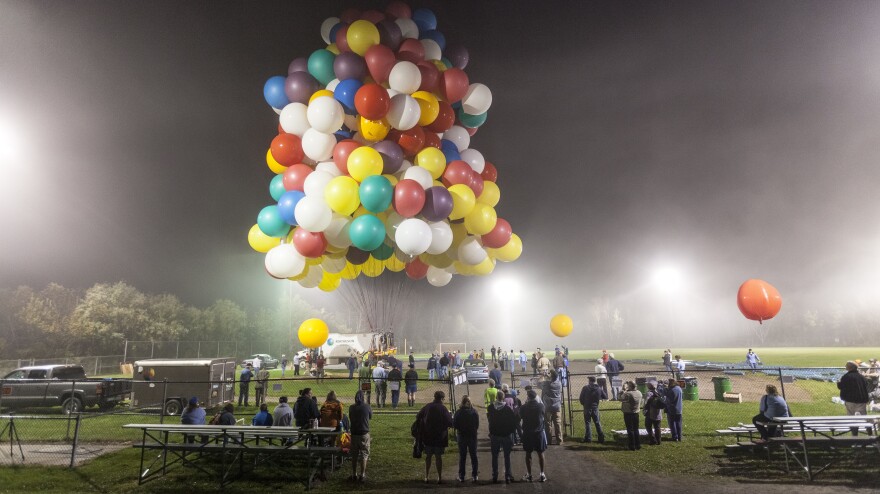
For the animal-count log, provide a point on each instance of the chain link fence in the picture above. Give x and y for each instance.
(94, 366)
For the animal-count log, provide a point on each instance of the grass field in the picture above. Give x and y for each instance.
(796, 357)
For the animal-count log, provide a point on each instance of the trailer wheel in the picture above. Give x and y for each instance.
(172, 407)
(71, 405)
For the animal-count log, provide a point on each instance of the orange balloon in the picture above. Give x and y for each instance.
(758, 300)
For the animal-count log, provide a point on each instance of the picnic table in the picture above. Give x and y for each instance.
(823, 434)
(230, 446)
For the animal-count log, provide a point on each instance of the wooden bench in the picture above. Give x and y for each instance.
(621, 433)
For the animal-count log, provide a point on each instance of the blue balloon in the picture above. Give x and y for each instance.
(424, 19)
(276, 187)
(450, 150)
(287, 205)
(271, 223)
(436, 36)
(367, 232)
(273, 92)
(345, 91)
(376, 192)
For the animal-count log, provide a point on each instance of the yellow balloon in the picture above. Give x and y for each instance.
(261, 242)
(341, 194)
(276, 167)
(319, 93)
(511, 250)
(391, 178)
(441, 261)
(361, 35)
(373, 267)
(491, 194)
(463, 269)
(329, 282)
(313, 333)
(481, 220)
(363, 162)
(313, 261)
(459, 233)
(373, 130)
(360, 211)
(463, 201)
(350, 272)
(433, 160)
(484, 268)
(332, 48)
(429, 105)
(332, 265)
(394, 264)
(561, 325)
(305, 272)
(440, 65)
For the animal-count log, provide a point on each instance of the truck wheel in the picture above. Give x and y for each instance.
(104, 407)
(71, 405)
(172, 407)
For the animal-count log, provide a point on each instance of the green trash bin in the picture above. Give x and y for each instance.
(642, 385)
(691, 392)
(722, 385)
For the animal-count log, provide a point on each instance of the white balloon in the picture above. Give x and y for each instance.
(404, 112)
(351, 121)
(420, 175)
(331, 86)
(333, 264)
(392, 93)
(312, 213)
(276, 110)
(405, 77)
(315, 183)
(326, 26)
(408, 27)
(432, 49)
(475, 159)
(328, 167)
(404, 166)
(336, 232)
(325, 114)
(283, 261)
(313, 278)
(459, 136)
(470, 251)
(438, 277)
(477, 100)
(391, 223)
(318, 145)
(294, 119)
(413, 236)
(441, 237)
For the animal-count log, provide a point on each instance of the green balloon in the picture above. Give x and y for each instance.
(384, 252)
(321, 66)
(376, 192)
(272, 224)
(276, 187)
(472, 121)
(367, 232)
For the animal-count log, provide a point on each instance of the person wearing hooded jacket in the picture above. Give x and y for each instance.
(359, 416)
(305, 409)
(466, 422)
(502, 425)
(551, 395)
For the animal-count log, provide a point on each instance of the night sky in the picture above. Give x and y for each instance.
(727, 140)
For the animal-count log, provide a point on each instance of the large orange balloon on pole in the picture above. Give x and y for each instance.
(561, 325)
(758, 300)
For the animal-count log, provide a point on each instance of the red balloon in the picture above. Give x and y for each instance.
(411, 141)
(416, 269)
(457, 172)
(411, 50)
(445, 118)
(430, 76)
(287, 149)
(341, 152)
(372, 101)
(398, 9)
(470, 130)
(432, 140)
(309, 244)
(476, 183)
(373, 16)
(499, 236)
(490, 173)
(350, 15)
(380, 60)
(758, 300)
(409, 198)
(295, 176)
(342, 38)
(454, 84)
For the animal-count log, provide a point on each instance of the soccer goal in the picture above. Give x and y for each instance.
(452, 347)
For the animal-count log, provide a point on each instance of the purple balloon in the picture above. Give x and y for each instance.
(298, 65)
(392, 156)
(356, 256)
(438, 203)
(458, 55)
(390, 34)
(300, 86)
(349, 65)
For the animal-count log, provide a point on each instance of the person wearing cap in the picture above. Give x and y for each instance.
(411, 380)
(854, 391)
(394, 378)
(263, 418)
(193, 414)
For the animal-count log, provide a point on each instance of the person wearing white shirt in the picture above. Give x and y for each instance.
(601, 375)
(680, 365)
(380, 380)
(257, 363)
(523, 360)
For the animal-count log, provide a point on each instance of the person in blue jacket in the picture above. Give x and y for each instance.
(674, 409)
(263, 418)
(772, 405)
(244, 384)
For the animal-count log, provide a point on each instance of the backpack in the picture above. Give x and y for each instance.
(215, 420)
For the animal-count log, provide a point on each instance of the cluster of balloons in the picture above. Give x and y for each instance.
(313, 333)
(373, 159)
(758, 300)
(561, 325)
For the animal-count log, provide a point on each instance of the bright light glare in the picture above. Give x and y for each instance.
(668, 278)
(10, 143)
(506, 288)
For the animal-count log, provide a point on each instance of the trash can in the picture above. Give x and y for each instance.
(642, 385)
(691, 392)
(722, 385)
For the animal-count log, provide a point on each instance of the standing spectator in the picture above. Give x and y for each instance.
(444, 366)
(655, 402)
(503, 359)
(283, 364)
(502, 425)
(411, 379)
(772, 405)
(543, 364)
(667, 361)
(489, 396)
(601, 376)
(493, 353)
(296, 360)
(495, 374)
(263, 418)
(261, 386)
(331, 412)
(630, 402)
(614, 367)
(319, 367)
(605, 357)
(283, 414)
(513, 401)
(560, 364)
(591, 395)
(364, 379)
(457, 360)
(257, 364)
(534, 364)
(680, 366)
(854, 392)
(394, 378)
(305, 410)
(351, 365)
(466, 423)
(534, 439)
(753, 360)
(434, 422)
(380, 381)
(522, 360)
(359, 415)
(674, 409)
(244, 384)
(432, 367)
(412, 359)
(551, 395)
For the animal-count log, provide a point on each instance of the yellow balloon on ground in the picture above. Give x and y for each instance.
(481, 220)
(350, 272)
(463, 201)
(511, 250)
(491, 194)
(394, 264)
(429, 105)
(313, 333)
(276, 167)
(341, 194)
(332, 48)
(261, 242)
(374, 130)
(433, 160)
(319, 93)
(363, 162)
(561, 325)
(361, 35)
(329, 282)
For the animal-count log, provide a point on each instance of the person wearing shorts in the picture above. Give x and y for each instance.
(411, 379)
(359, 415)
(434, 422)
(534, 437)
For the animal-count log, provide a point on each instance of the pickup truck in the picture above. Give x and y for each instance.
(64, 385)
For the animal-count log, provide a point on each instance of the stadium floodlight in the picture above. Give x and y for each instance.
(507, 288)
(668, 278)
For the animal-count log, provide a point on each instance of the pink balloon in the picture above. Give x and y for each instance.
(409, 198)
(295, 176)
(454, 84)
(457, 172)
(309, 244)
(499, 236)
(380, 60)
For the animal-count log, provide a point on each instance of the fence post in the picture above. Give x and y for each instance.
(781, 382)
(152, 347)
(451, 392)
(177, 351)
(164, 398)
(96, 366)
(75, 440)
(125, 353)
(69, 414)
(570, 424)
(2, 382)
(218, 349)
